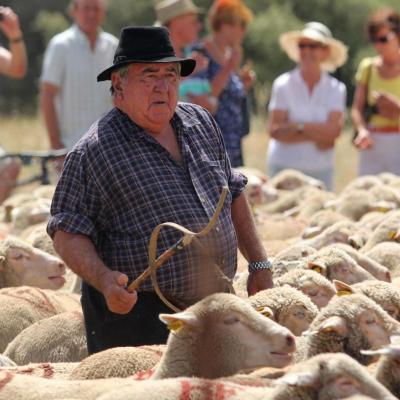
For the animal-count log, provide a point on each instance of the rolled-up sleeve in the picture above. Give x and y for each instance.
(72, 200)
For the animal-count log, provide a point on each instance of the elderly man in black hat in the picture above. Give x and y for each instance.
(149, 160)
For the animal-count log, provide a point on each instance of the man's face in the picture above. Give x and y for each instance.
(89, 14)
(149, 94)
(187, 27)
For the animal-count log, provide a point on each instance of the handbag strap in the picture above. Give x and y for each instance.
(367, 81)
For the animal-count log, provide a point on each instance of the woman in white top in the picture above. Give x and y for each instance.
(307, 104)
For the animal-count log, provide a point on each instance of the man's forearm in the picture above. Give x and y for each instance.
(250, 244)
(47, 104)
(79, 253)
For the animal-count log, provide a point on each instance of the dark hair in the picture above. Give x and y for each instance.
(383, 17)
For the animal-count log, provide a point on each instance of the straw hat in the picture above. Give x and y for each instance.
(168, 9)
(320, 33)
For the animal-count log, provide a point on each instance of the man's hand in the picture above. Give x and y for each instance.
(118, 299)
(259, 280)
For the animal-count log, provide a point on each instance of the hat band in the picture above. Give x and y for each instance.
(142, 57)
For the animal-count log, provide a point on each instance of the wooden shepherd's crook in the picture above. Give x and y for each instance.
(185, 240)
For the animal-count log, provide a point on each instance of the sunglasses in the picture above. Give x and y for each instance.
(381, 39)
(311, 46)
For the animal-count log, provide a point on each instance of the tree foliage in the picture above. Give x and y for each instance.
(41, 19)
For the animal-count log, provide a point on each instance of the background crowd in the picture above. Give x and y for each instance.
(235, 44)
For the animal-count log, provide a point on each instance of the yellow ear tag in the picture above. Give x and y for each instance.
(328, 329)
(392, 235)
(174, 326)
(264, 311)
(317, 269)
(343, 292)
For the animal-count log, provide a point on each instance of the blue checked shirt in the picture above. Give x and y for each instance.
(119, 183)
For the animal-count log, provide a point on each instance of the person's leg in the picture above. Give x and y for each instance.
(105, 329)
(273, 169)
(324, 175)
(9, 170)
(372, 161)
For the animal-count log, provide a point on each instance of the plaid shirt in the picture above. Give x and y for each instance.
(119, 183)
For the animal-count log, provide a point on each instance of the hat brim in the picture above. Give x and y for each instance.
(187, 66)
(338, 51)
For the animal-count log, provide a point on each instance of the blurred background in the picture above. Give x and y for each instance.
(21, 127)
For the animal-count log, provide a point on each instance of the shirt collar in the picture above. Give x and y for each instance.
(184, 117)
(82, 36)
(298, 76)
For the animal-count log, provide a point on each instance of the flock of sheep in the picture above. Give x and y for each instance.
(329, 329)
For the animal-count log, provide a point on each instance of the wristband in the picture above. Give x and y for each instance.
(259, 265)
(17, 40)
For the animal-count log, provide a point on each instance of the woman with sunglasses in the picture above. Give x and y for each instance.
(378, 91)
(307, 106)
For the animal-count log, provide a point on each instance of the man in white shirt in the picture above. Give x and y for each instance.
(71, 99)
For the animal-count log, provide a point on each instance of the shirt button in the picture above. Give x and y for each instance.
(217, 229)
(202, 199)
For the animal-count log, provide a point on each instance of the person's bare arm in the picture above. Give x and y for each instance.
(48, 93)
(363, 139)
(322, 134)
(250, 244)
(13, 62)
(218, 83)
(79, 253)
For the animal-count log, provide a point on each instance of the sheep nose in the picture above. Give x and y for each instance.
(61, 266)
(290, 340)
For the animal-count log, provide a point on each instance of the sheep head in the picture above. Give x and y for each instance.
(221, 335)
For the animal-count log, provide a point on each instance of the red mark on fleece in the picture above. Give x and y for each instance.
(5, 377)
(48, 370)
(208, 389)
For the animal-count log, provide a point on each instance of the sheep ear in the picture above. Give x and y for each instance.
(305, 379)
(392, 235)
(311, 231)
(2, 261)
(382, 206)
(266, 311)
(177, 321)
(317, 267)
(334, 324)
(342, 289)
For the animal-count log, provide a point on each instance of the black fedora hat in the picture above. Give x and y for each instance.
(145, 44)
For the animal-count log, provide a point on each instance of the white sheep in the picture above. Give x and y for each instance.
(314, 285)
(226, 325)
(117, 362)
(348, 324)
(22, 264)
(23, 306)
(60, 338)
(287, 306)
(376, 269)
(383, 293)
(387, 254)
(328, 377)
(334, 263)
(290, 179)
(387, 371)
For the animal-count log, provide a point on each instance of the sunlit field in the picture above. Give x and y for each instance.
(22, 134)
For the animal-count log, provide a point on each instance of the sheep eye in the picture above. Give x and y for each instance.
(370, 321)
(313, 292)
(233, 319)
(300, 314)
(18, 256)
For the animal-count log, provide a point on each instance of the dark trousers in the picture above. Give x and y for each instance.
(105, 329)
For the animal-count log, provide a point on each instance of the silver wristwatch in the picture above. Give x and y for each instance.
(259, 265)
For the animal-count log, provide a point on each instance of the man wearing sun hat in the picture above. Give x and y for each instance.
(149, 160)
(307, 105)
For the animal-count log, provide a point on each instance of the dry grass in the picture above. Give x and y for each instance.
(21, 133)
